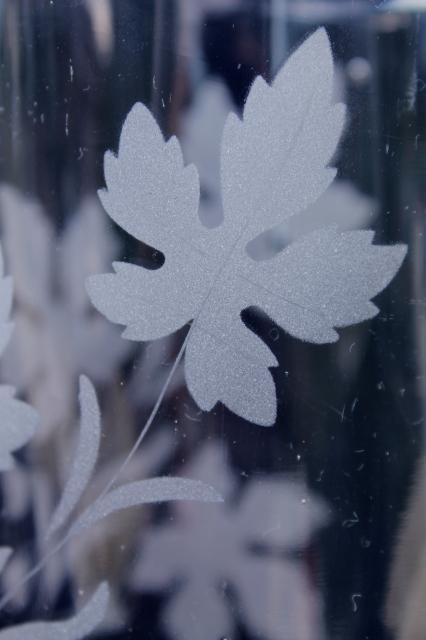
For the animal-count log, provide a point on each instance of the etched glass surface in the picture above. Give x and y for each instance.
(212, 220)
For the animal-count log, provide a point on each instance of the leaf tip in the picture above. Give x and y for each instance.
(84, 382)
(139, 119)
(265, 416)
(214, 495)
(102, 592)
(267, 421)
(320, 38)
(402, 250)
(395, 256)
(85, 386)
(317, 48)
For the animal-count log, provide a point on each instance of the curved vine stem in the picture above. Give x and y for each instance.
(72, 531)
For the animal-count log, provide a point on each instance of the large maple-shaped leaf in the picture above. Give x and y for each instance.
(274, 164)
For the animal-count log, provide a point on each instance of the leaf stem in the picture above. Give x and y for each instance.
(74, 529)
(151, 417)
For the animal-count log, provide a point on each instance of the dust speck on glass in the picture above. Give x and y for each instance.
(211, 219)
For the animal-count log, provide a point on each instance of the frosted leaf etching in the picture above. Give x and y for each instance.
(274, 164)
(241, 543)
(341, 205)
(86, 454)
(17, 423)
(18, 420)
(130, 494)
(110, 500)
(56, 335)
(153, 490)
(75, 628)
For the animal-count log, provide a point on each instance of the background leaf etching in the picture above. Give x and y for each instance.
(18, 426)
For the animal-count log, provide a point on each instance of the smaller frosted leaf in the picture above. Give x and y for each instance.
(5, 553)
(144, 492)
(18, 422)
(75, 628)
(86, 454)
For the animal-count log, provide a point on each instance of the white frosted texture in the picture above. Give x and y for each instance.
(154, 490)
(57, 336)
(203, 547)
(75, 628)
(274, 165)
(85, 457)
